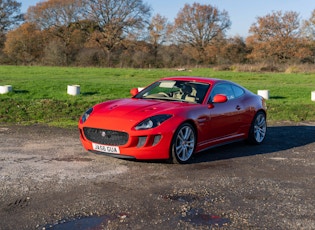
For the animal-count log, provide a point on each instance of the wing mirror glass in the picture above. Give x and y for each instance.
(219, 98)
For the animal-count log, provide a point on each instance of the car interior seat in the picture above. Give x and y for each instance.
(189, 93)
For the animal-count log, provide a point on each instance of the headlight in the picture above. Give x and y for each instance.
(152, 122)
(86, 115)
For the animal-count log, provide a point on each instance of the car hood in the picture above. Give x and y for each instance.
(135, 108)
(124, 114)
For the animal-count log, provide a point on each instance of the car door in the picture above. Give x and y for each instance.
(224, 118)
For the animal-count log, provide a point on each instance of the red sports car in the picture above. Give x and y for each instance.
(173, 118)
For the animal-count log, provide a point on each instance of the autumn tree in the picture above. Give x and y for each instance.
(25, 44)
(59, 17)
(197, 25)
(116, 19)
(275, 37)
(233, 50)
(174, 56)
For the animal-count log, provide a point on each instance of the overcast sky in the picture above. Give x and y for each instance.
(243, 13)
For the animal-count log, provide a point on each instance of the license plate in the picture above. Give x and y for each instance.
(106, 148)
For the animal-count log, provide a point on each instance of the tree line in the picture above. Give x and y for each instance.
(124, 33)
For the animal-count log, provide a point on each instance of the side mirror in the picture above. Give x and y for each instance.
(134, 92)
(219, 98)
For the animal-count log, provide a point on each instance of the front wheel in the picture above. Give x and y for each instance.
(258, 129)
(183, 144)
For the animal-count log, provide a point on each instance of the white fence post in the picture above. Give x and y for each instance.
(73, 90)
(263, 93)
(5, 89)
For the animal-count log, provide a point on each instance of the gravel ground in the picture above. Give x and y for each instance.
(48, 181)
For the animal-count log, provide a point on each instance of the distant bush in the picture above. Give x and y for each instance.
(257, 68)
(293, 69)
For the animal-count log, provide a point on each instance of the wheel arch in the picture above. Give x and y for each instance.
(193, 125)
(260, 110)
(250, 139)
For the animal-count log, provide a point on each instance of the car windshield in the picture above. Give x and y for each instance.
(186, 91)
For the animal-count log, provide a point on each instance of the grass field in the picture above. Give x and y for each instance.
(40, 93)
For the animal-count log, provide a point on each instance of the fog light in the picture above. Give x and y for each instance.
(141, 141)
(157, 138)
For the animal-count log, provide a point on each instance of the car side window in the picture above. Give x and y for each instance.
(238, 91)
(223, 88)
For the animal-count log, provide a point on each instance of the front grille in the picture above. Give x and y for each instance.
(106, 137)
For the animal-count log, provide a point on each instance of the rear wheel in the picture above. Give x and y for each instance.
(258, 129)
(183, 144)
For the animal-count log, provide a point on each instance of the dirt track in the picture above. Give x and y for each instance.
(48, 181)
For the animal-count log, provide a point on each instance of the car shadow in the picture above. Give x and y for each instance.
(278, 138)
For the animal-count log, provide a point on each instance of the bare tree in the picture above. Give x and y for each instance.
(308, 32)
(116, 19)
(158, 33)
(199, 24)
(10, 16)
(55, 13)
(308, 27)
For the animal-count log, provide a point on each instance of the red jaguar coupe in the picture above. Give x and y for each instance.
(173, 118)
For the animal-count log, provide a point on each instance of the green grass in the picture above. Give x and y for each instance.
(40, 93)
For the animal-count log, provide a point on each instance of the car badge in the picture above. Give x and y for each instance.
(103, 133)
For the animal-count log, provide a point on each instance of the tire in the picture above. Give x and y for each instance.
(258, 129)
(183, 144)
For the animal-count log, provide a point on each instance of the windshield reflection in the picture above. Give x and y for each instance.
(187, 91)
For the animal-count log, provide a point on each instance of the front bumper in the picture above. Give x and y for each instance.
(142, 145)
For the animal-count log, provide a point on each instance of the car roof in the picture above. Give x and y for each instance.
(196, 79)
